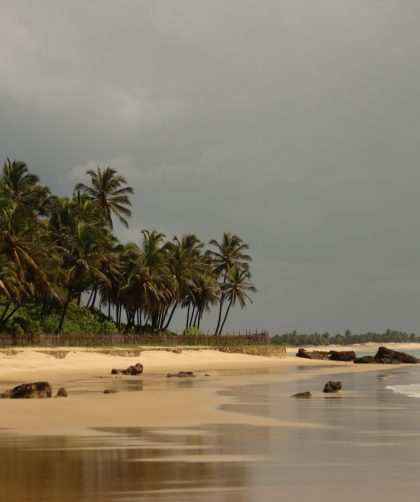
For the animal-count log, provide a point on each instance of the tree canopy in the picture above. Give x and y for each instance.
(59, 254)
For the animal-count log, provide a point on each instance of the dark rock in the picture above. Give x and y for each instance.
(343, 355)
(136, 369)
(314, 354)
(365, 360)
(61, 392)
(34, 390)
(302, 395)
(181, 374)
(331, 386)
(207, 375)
(388, 356)
(110, 391)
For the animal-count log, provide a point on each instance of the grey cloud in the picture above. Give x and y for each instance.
(293, 123)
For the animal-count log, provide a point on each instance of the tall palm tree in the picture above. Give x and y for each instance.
(229, 254)
(109, 194)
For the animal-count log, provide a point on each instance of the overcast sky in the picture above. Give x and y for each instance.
(293, 123)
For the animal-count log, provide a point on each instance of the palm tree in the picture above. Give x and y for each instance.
(236, 289)
(229, 254)
(23, 187)
(108, 193)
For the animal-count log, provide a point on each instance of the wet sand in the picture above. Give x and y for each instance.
(234, 436)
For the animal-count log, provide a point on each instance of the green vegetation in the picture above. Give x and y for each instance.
(299, 339)
(61, 264)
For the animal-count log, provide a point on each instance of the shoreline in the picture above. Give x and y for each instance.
(159, 402)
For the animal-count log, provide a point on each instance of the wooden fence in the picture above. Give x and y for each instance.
(117, 340)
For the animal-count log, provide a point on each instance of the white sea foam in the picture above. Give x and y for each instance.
(411, 390)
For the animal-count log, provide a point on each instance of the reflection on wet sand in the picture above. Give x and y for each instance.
(126, 463)
(366, 441)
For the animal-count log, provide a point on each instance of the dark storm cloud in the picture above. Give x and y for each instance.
(293, 123)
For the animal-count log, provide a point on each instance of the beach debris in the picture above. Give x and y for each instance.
(136, 369)
(61, 392)
(34, 390)
(302, 395)
(177, 351)
(332, 355)
(387, 356)
(331, 386)
(181, 374)
(110, 391)
(207, 375)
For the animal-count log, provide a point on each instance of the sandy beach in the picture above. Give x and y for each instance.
(232, 432)
(163, 402)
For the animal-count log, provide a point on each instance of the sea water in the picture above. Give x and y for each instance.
(410, 386)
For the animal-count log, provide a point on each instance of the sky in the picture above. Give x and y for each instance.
(292, 123)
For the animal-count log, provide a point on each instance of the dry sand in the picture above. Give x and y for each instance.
(163, 402)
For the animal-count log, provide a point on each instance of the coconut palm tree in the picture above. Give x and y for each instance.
(229, 254)
(236, 289)
(23, 187)
(107, 191)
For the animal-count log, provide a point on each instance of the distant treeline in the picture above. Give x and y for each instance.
(297, 339)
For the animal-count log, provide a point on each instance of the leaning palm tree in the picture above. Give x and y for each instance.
(109, 194)
(236, 289)
(229, 254)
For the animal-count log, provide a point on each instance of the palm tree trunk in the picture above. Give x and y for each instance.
(4, 321)
(5, 311)
(171, 315)
(66, 304)
(199, 318)
(196, 317)
(188, 316)
(90, 297)
(224, 319)
(222, 300)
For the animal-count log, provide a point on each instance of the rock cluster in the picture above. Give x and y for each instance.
(387, 356)
(136, 369)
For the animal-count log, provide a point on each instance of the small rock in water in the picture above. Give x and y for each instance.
(61, 392)
(181, 374)
(331, 386)
(110, 391)
(136, 369)
(302, 395)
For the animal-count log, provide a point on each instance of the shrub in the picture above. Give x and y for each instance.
(192, 331)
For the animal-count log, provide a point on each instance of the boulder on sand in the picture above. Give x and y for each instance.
(331, 386)
(61, 392)
(34, 390)
(313, 354)
(343, 355)
(387, 356)
(384, 356)
(136, 369)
